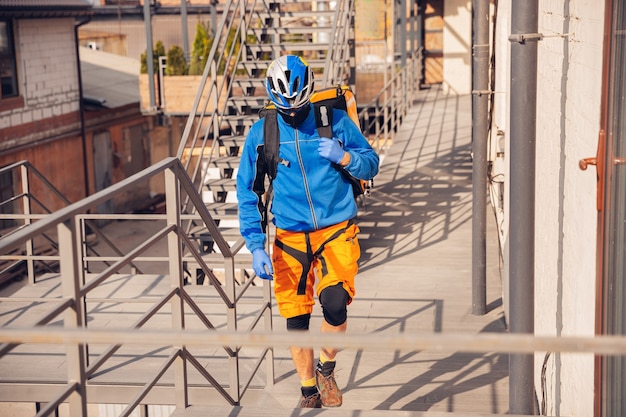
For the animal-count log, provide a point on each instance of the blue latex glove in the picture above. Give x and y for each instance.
(331, 149)
(261, 260)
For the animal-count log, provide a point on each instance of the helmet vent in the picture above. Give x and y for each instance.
(283, 89)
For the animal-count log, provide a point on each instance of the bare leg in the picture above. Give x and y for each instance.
(303, 357)
(303, 361)
(330, 353)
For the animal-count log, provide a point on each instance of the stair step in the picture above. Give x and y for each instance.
(289, 46)
(226, 232)
(238, 140)
(263, 64)
(223, 210)
(295, 14)
(250, 82)
(290, 30)
(226, 162)
(249, 411)
(250, 101)
(222, 184)
(236, 123)
(267, 3)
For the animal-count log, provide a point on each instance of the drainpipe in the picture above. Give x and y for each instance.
(480, 131)
(402, 34)
(421, 8)
(81, 106)
(524, 37)
(183, 18)
(147, 18)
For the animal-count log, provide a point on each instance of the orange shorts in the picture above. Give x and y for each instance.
(330, 254)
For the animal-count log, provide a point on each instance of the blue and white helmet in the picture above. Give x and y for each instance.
(289, 82)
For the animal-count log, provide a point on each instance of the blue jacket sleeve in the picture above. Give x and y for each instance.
(250, 187)
(363, 158)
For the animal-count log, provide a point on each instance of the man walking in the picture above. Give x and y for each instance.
(313, 210)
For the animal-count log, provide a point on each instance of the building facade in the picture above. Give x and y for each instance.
(578, 243)
(80, 144)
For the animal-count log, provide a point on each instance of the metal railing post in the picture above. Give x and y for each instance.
(175, 253)
(30, 250)
(73, 318)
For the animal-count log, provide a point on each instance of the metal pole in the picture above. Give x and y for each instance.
(183, 18)
(524, 26)
(213, 18)
(402, 34)
(480, 130)
(420, 39)
(147, 18)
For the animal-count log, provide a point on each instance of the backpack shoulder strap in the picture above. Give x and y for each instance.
(324, 119)
(271, 140)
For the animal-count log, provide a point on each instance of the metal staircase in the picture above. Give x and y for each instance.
(320, 31)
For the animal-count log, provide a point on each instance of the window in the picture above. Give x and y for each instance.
(8, 66)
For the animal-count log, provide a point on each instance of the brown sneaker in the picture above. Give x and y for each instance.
(327, 386)
(312, 401)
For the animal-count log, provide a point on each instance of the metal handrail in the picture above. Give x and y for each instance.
(24, 170)
(381, 117)
(77, 285)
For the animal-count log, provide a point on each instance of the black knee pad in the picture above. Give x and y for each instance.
(334, 301)
(299, 322)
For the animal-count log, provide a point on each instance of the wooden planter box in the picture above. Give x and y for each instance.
(179, 94)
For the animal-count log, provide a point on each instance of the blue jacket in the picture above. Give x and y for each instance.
(309, 192)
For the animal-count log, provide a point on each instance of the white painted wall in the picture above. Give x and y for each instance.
(47, 71)
(568, 110)
(457, 46)
(568, 120)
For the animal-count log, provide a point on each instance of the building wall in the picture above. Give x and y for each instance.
(48, 82)
(46, 129)
(568, 120)
(457, 46)
(568, 109)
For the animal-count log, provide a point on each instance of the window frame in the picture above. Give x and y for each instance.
(11, 54)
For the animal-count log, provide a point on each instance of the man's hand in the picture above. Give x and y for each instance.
(331, 149)
(262, 264)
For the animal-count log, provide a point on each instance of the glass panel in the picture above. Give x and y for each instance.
(8, 72)
(614, 375)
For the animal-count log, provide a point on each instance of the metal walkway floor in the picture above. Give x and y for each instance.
(415, 277)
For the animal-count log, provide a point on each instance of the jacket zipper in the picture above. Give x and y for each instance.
(306, 183)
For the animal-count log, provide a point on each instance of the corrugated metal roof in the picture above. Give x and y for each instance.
(44, 8)
(45, 3)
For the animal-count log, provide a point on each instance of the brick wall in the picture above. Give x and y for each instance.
(48, 81)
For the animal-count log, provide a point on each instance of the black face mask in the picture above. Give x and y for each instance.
(295, 118)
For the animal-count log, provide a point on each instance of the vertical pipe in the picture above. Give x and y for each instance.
(420, 39)
(402, 34)
(183, 18)
(147, 18)
(214, 18)
(480, 130)
(524, 21)
(352, 46)
(81, 105)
